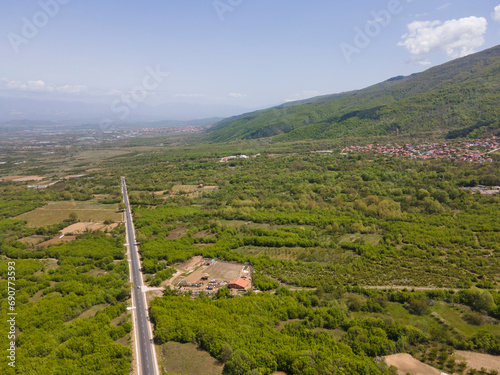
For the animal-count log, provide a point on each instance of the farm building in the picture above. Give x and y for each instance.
(238, 284)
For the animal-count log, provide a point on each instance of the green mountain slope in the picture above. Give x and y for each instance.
(456, 99)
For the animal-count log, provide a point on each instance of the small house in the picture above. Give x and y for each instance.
(239, 284)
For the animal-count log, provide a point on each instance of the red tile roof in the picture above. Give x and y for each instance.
(239, 283)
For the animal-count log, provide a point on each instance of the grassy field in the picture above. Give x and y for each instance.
(440, 311)
(89, 312)
(57, 212)
(453, 317)
(173, 360)
(372, 239)
(402, 315)
(96, 272)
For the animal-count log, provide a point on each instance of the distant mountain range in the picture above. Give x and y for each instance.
(17, 125)
(457, 99)
(34, 112)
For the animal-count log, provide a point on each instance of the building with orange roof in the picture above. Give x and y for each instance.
(239, 284)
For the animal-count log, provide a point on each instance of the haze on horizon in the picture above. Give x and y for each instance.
(126, 60)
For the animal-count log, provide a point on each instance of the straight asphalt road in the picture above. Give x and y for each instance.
(146, 358)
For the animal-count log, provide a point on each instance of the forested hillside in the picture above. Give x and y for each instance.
(459, 98)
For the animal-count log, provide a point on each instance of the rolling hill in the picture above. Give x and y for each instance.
(456, 99)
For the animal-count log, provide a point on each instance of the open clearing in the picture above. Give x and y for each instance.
(191, 272)
(89, 312)
(454, 318)
(22, 178)
(220, 271)
(177, 233)
(478, 360)
(83, 227)
(57, 212)
(99, 155)
(57, 240)
(32, 240)
(406, 364)
(192, 191)
(372, 239)
(77, 228)
(173, 359)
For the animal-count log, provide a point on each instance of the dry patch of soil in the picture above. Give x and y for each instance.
(176, 233)
(29, 178)
(407, 364)
(32, 240)
(22, 178)
(192, 191)
(478, 360)
(220, 271)
(79, 228)
(57, 240)
(191, 263)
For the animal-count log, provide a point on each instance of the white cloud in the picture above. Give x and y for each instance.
(40, 86)
(454, 37)
(422, 62)
(496, 13)
(236, 95)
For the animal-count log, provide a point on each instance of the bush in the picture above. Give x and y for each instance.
(418, 307)
(474, 318)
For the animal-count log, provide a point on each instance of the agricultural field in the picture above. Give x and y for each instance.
(58, 212)
(172, 357)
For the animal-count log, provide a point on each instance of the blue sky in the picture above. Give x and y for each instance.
(232, 54)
